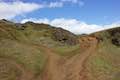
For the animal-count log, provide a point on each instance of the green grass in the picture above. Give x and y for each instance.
(67, 50)
(30, 57)
(100, 63)
(105, 64)
(100, 68)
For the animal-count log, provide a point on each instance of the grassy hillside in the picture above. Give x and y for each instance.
(33, 51)
(105, 64)
(22, 43)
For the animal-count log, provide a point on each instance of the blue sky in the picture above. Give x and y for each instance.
(91, 12)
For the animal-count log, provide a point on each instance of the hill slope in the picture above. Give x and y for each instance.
(34, 51)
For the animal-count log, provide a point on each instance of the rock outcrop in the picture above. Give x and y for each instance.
(65, 36)
(115, 34)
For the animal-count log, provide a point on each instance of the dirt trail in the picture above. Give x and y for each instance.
(58, 68)
(75, 65)
(53, 68)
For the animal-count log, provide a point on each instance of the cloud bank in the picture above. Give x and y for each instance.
(10, 10)
(73, 25)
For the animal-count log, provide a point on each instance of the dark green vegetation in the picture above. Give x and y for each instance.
(27, 50)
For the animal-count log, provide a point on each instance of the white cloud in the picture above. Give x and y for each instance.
(73, 25)
(73, 1)
(55, 4)
(61, 3)
(45, 20)
(79, 2)
(10, 10)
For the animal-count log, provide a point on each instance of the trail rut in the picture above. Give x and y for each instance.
(75, 65)
(58, 68)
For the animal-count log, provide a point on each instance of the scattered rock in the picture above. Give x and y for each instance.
(65, 36)
(115, 34)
